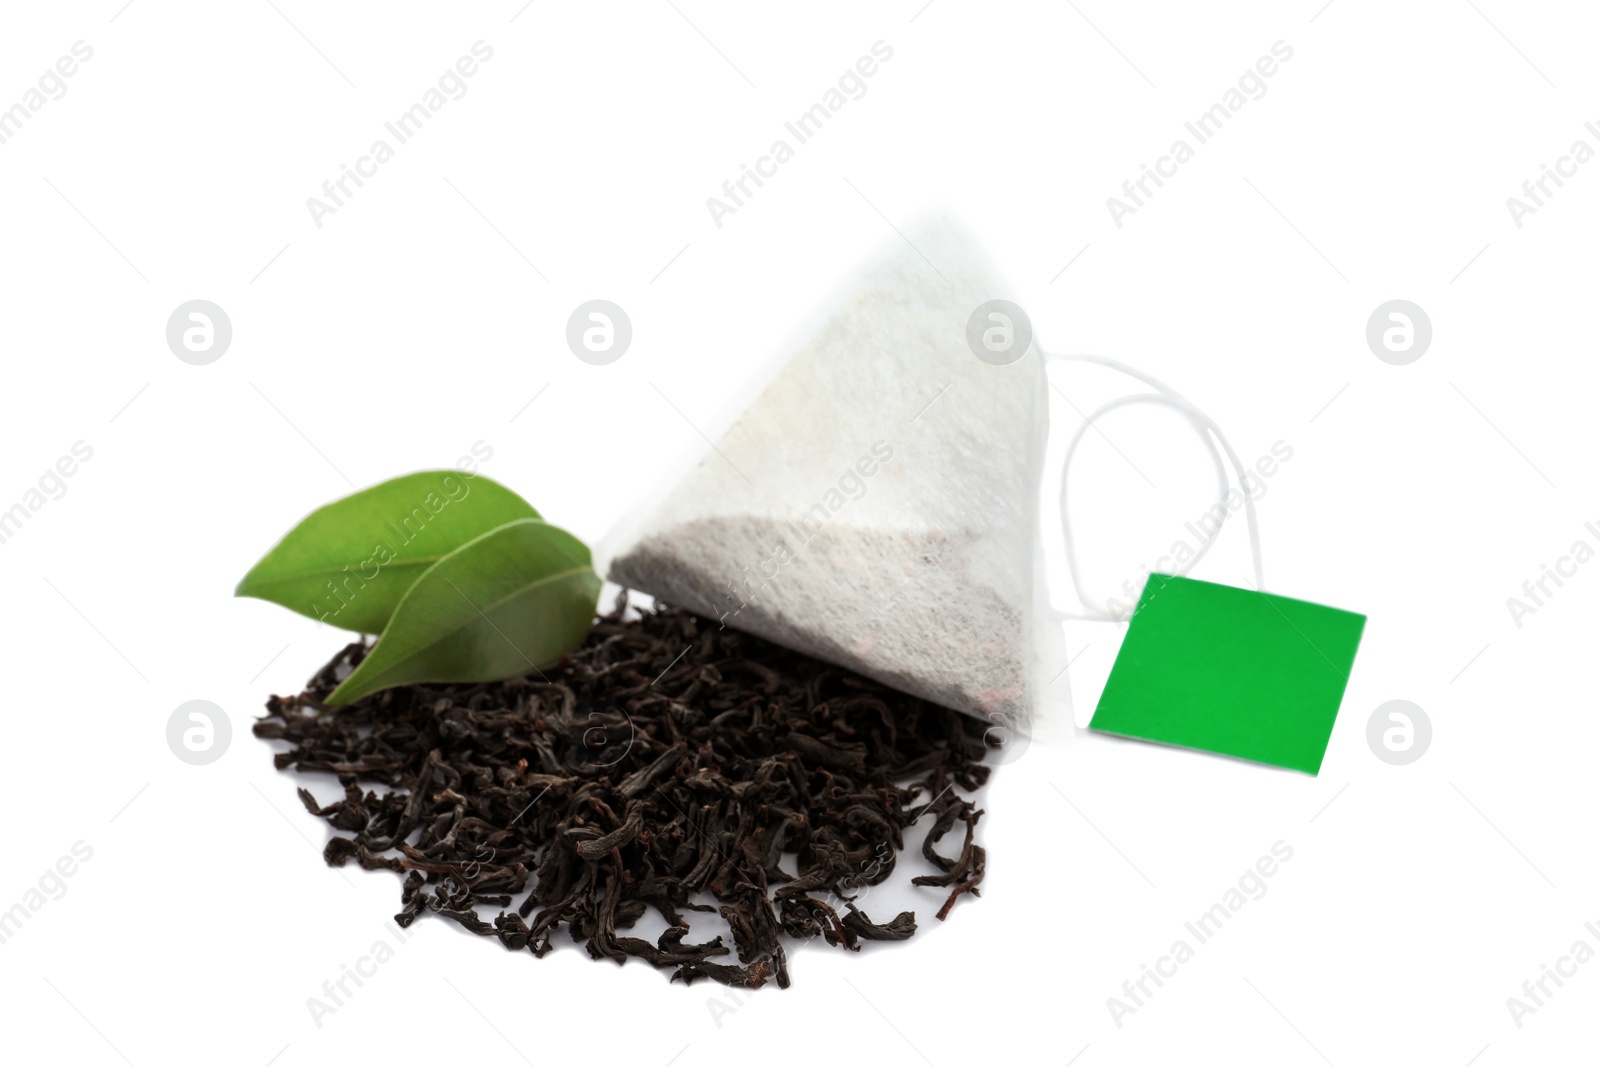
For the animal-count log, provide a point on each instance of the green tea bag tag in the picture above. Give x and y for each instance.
(1233, 671)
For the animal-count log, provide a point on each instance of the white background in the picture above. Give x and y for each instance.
(427, 313)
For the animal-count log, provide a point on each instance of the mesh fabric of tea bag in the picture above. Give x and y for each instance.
(877, 506)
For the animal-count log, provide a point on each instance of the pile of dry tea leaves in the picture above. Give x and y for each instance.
(666, 764)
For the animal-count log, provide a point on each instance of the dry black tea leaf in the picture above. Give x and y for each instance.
(666, 765)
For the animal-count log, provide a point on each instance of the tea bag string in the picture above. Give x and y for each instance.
(1209, 432)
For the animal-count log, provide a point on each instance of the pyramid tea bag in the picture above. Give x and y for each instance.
(877, 506)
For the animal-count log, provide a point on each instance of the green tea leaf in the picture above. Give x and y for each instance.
(349, 562)
(512, 601)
